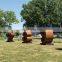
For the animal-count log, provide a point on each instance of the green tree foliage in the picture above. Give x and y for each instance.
(7, 18)
(40, 12)
(2, 22)
(10, 17)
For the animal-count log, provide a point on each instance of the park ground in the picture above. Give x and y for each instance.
(34, 52)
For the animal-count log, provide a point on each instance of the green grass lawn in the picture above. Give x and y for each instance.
(19, 52)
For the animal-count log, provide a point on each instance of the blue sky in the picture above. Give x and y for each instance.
(16, 6)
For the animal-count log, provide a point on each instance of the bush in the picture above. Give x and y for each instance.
(17, 33)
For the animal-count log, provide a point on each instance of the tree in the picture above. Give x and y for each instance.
(10, 17)
(2, 22)
(42, 12)
(7, 18)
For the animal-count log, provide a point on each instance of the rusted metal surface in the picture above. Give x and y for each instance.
(10, 36)
(27, 36)
(47, 37)
(27, 33)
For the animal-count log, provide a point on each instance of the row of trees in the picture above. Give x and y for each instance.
(7, 18)
(42, 13)
(36, 12)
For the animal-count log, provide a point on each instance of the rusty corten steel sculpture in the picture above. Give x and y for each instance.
(10, 36)
(47, 37)
(27, 36)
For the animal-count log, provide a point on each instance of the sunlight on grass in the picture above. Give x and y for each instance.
(33, 52)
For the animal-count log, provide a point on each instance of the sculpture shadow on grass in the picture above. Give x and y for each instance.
(58, 48)
(10, 41)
